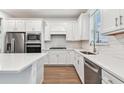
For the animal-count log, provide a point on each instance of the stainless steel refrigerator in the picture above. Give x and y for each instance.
(15, 42)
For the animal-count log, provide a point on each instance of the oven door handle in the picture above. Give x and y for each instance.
(91, 67)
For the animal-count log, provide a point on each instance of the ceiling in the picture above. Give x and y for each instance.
(44, 13)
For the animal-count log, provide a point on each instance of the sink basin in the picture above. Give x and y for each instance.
(87, 53)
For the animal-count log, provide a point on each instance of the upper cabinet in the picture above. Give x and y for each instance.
(68, 28)
(83, 26)
(23, 25)
(33, 25)
(112, 21)
(15, 25)
(72, 32)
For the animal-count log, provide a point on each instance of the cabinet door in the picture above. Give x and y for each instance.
(36, 26)
(10, 25)
(70, 57)
(20, 25)
(110, 20)
(28, 24)
(81, 69)
(70, 32)
(62, 58)
(53, 57)
(47, 33)
(121, 18)
(77, 60)
(85, 26)
(32, 25)
(73, 33)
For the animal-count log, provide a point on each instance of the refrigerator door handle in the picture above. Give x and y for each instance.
(13, 45)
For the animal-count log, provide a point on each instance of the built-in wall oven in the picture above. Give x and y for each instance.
(92, 72)
(33, 42)
(33, 48)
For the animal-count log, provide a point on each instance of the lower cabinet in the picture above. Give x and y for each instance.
(108, 78)
(60, 57)
(79, 66)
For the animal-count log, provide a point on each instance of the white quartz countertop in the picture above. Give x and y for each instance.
(112, 63)
(18, 62)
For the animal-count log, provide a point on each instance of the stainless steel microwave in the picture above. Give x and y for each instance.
(33, 36)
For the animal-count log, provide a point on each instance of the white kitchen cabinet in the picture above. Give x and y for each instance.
(15, 25)
(33, 25)
(79, 66)
(57, 27)
(72, 32)
(10, 25)
(60, 57)
(112, 21)
(47, 36)
(83, 26)
(53, 57)
(121, 18)
(70, 57)
(108, 78)
(19, 25)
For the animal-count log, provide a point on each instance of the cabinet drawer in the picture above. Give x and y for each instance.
(110, 79)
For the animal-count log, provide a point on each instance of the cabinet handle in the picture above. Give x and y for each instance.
(116, 21)
(121, 20)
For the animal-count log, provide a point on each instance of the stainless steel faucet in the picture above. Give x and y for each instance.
(94, 46)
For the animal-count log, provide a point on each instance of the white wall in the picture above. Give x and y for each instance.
(3, 16)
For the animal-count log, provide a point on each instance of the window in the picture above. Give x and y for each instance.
(96, 28)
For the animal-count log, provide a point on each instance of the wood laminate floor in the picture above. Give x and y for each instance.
(60, 75)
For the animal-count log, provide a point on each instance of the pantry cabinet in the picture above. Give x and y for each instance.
(112, 20)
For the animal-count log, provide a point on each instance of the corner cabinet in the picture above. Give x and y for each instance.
(112, 21)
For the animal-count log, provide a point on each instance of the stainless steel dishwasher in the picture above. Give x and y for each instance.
(92, 72)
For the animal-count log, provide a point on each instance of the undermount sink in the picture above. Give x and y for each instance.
(87, 53)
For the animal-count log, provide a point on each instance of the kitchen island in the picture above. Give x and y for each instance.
(21, 68)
